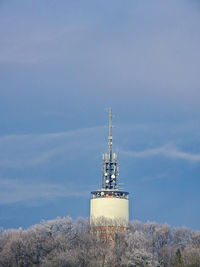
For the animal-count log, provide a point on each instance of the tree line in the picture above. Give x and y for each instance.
(66, 243)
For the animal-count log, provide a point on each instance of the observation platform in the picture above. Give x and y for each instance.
(109, 193)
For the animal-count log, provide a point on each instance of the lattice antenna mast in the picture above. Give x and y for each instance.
(110, 165)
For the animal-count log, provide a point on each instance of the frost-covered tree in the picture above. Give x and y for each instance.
(63, 242)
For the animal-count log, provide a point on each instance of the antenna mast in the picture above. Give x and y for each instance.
(110, 134)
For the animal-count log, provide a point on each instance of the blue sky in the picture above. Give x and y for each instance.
(61, 64)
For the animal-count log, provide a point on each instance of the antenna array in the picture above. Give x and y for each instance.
(110, 164)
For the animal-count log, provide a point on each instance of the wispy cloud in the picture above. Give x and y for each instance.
(29, 150)
(13, 190)
(21, 151)
(166, 151)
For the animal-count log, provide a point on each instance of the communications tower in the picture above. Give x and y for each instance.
(109, 206)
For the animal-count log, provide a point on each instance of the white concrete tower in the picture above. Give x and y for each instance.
(109, 206)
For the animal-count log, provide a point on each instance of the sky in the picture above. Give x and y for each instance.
(62, 63)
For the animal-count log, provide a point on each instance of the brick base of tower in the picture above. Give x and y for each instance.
(107, 233)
